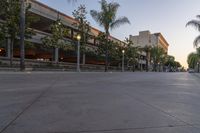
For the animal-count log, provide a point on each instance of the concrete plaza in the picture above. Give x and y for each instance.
(56, 102)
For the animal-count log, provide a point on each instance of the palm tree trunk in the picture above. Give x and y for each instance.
(106, 57)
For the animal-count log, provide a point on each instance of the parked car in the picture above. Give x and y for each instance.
(191, 70)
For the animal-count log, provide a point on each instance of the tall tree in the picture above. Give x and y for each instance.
(10, 10)
(102, 46)
(107, 19)
(196, 25)
(156, 56)
(132, 53)
(57, 38)
(147, 49)
(83, 26)
(170, 62)
(193, 58)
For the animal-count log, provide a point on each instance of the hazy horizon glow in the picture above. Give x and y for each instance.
(167, 17)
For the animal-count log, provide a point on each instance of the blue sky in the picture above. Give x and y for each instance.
(166, 16)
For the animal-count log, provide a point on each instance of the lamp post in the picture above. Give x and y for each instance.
(123, 51)
(198, 67)
(22, 31)
(78, 53)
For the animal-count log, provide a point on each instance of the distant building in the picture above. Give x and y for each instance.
(37, 51)
(145, 38)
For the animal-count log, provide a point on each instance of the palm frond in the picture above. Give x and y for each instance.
(194, 23)
(192, 60)
(104, 5)
(198, 51)
(71, 1)
(196, 41)
(113, 7)
(112, 11)
(198, 16)
(97, 16)
(119, 21)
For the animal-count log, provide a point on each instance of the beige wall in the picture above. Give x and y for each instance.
(145, 38)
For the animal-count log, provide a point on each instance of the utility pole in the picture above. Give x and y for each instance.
(22, 32)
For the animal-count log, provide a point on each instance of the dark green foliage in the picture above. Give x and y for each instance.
(104, 45)
(82, 25)
(57, 37)
(193, 58)
(196, 25)
(157, 56)
(106, 18)
(10, 12)
(131, 52)
(10, 25)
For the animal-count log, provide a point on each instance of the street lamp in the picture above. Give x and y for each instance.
(78, 53)
(198, 67)
(123, 51)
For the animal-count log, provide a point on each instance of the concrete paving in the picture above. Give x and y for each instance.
(57, 102)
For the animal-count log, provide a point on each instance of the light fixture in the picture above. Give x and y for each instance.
(123, 51)
(78, 37)
(59, 23)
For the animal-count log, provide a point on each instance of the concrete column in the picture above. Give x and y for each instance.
(140, 66)
(56, 55)
(83, 59)
(8, 47)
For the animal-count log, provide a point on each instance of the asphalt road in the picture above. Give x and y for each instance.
(99, 102)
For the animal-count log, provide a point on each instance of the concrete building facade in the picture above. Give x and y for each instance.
(47, 16)
(145, 38)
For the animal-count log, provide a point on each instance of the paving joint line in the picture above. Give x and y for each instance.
(121, 129)
(154, 107)
(29, 105)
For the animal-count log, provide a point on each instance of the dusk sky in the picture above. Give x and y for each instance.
(166, 16)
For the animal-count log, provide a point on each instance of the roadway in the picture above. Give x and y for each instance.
(56, 102)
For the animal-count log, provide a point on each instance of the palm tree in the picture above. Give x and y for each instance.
(156, 56)
(107, 19)
(196, 25)
(71, 1)
(193, 59)
(132, 53)
(147, 49)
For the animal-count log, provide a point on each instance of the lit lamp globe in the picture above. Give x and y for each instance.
(78, 37)
(123, 51)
